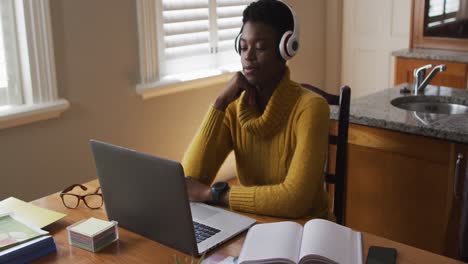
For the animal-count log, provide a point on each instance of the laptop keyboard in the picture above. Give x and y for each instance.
(202, 232)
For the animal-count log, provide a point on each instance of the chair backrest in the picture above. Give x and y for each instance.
(340, 140)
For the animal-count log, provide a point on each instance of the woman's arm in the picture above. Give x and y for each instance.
(213, 141)
(209, 148)
(233, 90)
(302, 192)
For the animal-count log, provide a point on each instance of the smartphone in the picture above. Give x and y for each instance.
(381, 255)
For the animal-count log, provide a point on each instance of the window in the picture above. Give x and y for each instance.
(28, 89)
(442, 11)
(186, 40)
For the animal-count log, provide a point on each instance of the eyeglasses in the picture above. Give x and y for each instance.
(71, 200)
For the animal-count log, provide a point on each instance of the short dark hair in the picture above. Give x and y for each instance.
(270, 12)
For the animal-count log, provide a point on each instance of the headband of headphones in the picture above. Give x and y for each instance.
(289, 43)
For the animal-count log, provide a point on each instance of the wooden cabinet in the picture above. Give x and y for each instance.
(401, 186)
(456, 243)
(456, 75)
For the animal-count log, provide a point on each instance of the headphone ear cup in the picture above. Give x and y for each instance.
(237, 44)
(283, 45)
(292, 45)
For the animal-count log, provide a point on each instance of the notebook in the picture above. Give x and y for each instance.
(147, 195)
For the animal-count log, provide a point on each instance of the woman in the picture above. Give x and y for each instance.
(277, 129)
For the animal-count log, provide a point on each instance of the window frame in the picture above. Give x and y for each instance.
(419, 40)
(37, 67)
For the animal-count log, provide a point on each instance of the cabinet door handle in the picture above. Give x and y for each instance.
(457, 174)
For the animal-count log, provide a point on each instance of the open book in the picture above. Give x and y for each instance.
(37, 216)
(319, 241)
(22, 242)
(14, 231)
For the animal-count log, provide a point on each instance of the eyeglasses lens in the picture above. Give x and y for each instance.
(93, 201)
(70, 201)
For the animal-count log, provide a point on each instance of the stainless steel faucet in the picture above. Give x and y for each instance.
(419, 83)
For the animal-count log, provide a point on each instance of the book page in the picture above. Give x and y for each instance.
(38, 216)
(330, 240)
(13, 231)
(272, 241)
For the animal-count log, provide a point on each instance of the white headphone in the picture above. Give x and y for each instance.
(289, 43)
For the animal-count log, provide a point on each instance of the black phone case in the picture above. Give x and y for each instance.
(381, 255)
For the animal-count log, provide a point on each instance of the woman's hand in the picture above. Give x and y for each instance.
(233, 90)
(197, 191)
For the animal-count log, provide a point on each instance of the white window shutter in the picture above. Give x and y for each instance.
(182, 40)
(10, 80)
(229, 23)
(186, 43)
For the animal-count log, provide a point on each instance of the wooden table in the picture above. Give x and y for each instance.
(133, 248)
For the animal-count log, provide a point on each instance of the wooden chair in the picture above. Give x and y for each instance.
(340, 140)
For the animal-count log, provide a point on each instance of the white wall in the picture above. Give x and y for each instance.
(371, 31)
(96, 52)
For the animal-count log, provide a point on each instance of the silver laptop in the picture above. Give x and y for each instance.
(147, 195)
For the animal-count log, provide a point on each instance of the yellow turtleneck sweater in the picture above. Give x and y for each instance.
(280, 153)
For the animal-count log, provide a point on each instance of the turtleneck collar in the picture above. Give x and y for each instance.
(276, 111)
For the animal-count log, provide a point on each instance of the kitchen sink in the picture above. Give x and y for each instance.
(430, 104)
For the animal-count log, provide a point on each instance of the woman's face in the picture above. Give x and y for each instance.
(260, 57)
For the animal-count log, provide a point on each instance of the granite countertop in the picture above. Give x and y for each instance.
(375, 110)
(433, 54)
